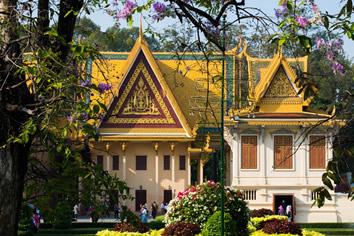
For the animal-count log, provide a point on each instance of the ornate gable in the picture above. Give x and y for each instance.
(141, 102)
(280, 87)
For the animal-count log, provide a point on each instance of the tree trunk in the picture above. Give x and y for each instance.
(14, 96)
(13, 164)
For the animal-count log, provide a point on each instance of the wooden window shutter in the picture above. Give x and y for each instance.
(100, 160)
(166, 162)
(140, 163)
(317, 152)
(115, 162)
(249, 152)
(182, 162)
(283, 152)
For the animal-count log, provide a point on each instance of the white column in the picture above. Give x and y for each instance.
(124, 166)
(156, 173)
(305, 149)
(173, 169)
(237, 162)
(188, 170)
(201, 171)
(262, 157)
(173, 175)
(108, 163)
(124, 146)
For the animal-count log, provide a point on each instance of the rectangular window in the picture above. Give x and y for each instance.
(141, 163)
(182, 162)
(115, 162)
(317, 152)
(249, 152)
(250, 195)
(283, 152)
(100, 160)
(166, 162)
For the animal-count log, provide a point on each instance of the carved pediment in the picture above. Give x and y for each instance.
(281, 86)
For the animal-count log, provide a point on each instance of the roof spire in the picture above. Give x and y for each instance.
(141, 29)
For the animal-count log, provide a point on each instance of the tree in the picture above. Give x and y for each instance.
(43, 105)
(113, 39)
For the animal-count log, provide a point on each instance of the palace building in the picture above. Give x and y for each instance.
(162, 127)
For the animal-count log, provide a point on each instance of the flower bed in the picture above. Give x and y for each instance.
(197, 203)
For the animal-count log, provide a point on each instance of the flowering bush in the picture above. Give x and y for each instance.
(197, 203)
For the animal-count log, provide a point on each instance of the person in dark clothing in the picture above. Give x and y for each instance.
(154, 208)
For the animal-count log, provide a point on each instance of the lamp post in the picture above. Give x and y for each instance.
(222, 127)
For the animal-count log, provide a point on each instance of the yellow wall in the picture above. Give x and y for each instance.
(146, 178)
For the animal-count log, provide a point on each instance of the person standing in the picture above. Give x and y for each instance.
(154, 208)
(36, 220)
(76, 212)
(281, 211)
(162, 208)
(144, 217)
(115, 211)
(288, 212)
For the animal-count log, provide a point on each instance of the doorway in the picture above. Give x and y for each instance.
(288, 200)
(140, 199)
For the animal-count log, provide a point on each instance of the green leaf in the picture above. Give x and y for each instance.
(327, 195)
(68, 13)
(96, 109)
(349, 8)
(328, 183)
(289, 5)
(326, 22)
(130, 21)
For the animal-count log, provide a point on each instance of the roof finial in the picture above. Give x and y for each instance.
(141, 28)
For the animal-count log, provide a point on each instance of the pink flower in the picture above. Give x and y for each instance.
(127, 11)
(319, 42)
(301, 20)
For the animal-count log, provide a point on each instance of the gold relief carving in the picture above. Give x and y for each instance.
(125, 92)
(156, 147)
(141, 102)
(280, 86)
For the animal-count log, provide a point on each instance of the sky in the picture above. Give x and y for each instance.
(102, 19)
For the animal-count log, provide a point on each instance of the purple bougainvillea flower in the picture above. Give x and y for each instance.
(104, 87)
(84, 116)
(72, 117)
(159, 7)
(127, 11)
(301, 20)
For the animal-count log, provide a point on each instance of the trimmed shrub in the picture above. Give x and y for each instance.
(25, 233)
(181, 229)
(160, 218)
(197, 203)
(275, 226)
(61, 216)
(157, 223)
(304, 233)
(115, 233)
(261, 212)
(257, 220)
(213, 225)
(126, 227)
